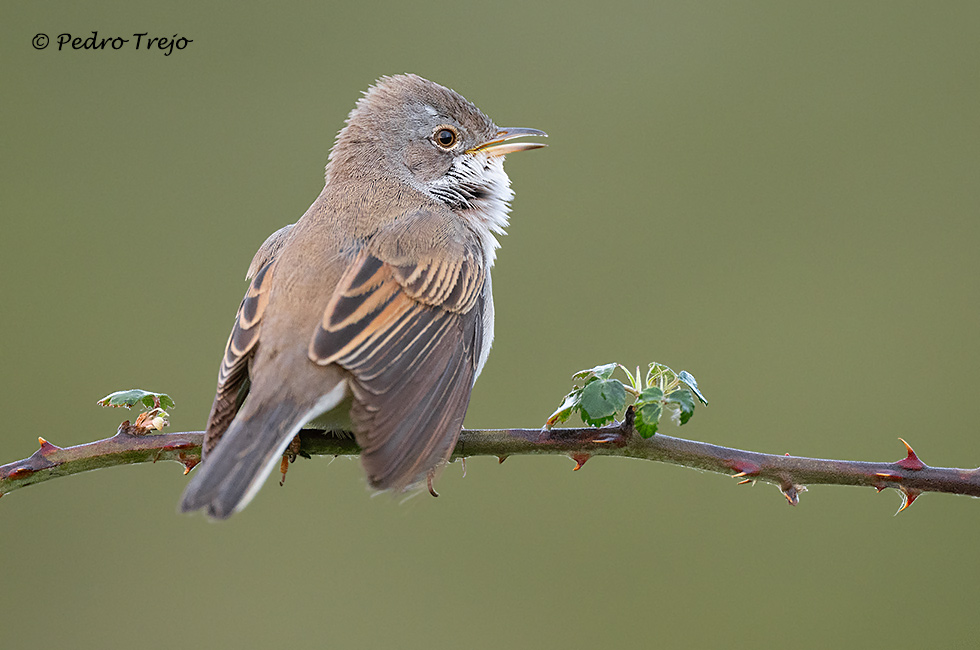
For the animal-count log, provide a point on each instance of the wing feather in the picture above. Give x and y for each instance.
(233, 373)
(410, 334)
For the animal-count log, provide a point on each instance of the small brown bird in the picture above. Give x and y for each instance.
(373, 311)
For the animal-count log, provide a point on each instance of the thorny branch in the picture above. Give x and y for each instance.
(910, 476)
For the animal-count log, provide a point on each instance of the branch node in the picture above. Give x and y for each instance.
(627, 426)
(744, 468)
(609, 436)
(20, 472)
(179, 444)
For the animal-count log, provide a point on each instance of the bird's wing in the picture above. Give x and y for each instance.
(233, 379)
(233, 374)
(408, 327)
(269, 250)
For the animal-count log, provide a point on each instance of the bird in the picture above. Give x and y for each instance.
(374, 311)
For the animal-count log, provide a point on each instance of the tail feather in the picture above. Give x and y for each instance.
(233, 472)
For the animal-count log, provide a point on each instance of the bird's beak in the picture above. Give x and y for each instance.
(496, 147)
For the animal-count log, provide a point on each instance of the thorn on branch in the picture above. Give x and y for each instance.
(580, 460)
(908, 496)
(189, 461)
(501, 459)
(792, 492)
(910, 462)
(47, 447)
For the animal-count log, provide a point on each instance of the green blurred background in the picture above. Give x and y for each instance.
(781, 198)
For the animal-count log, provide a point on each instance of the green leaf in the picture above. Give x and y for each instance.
(648, 408)
(684, 400)
(647, 418)
(692, 383)
(599, 372)
(569, 404)
(132, 397)
(650, 394)
(601, 400)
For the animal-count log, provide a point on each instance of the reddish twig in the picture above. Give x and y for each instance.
(910, 476)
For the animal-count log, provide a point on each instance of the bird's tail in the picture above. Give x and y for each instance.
(236, 468)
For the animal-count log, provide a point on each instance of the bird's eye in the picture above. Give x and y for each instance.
(446, 137)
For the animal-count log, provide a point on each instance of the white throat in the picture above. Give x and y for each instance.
(478, 188)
